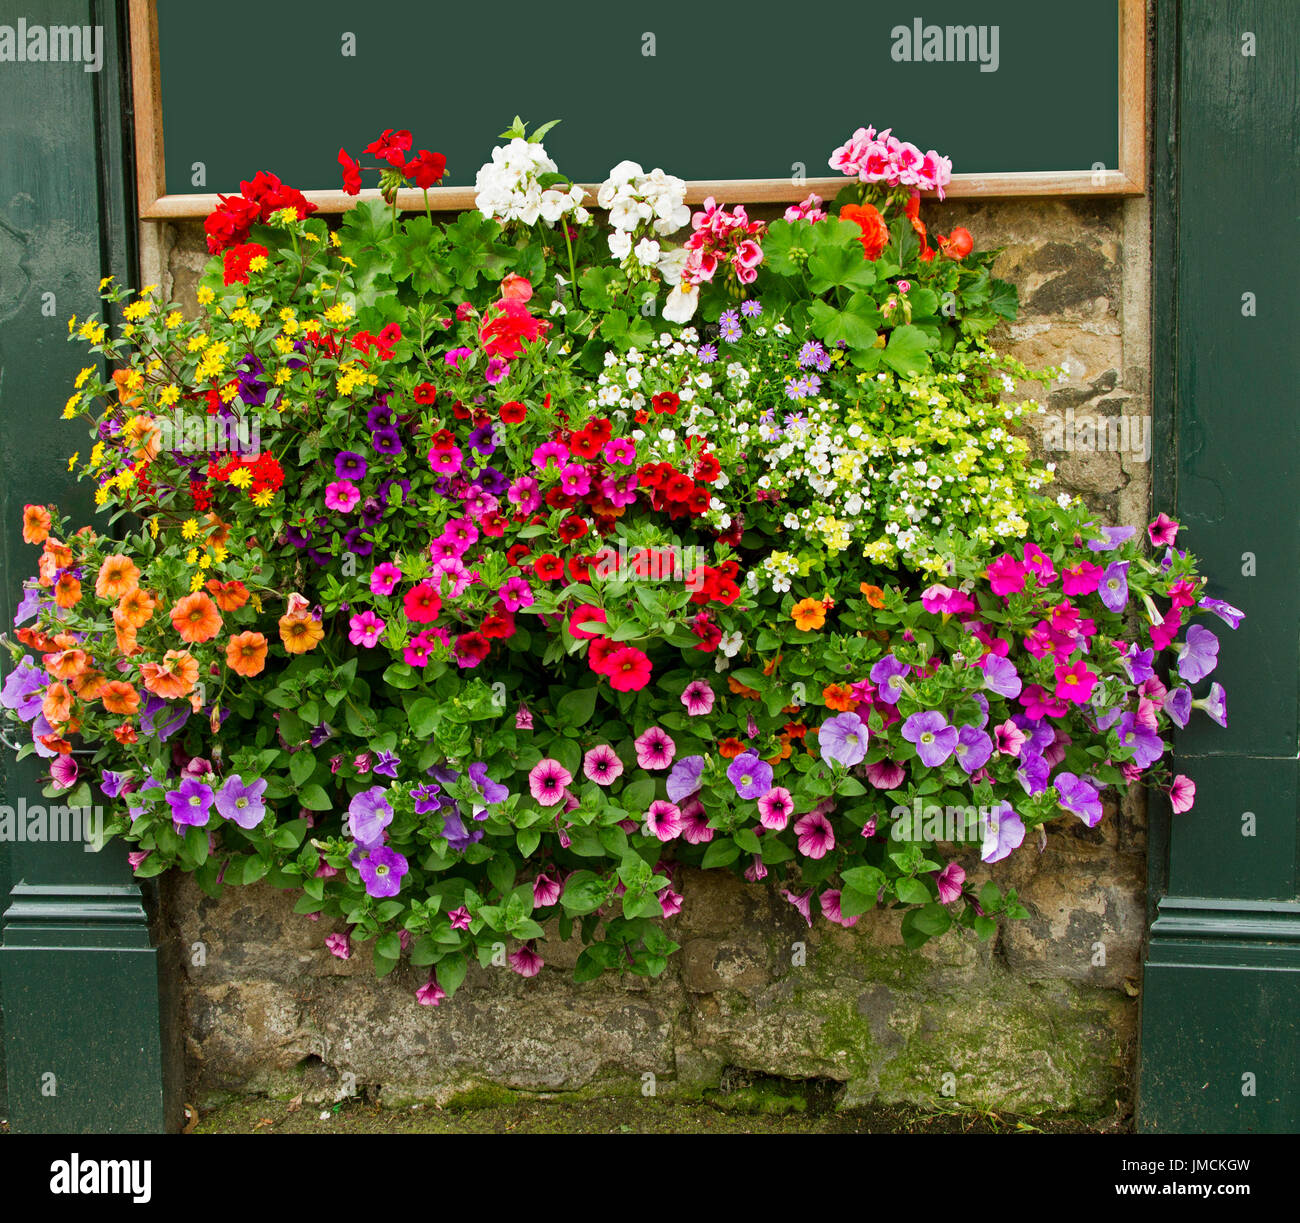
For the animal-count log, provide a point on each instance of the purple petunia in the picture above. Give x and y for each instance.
(1114, 536)
(934, 738)
(1198, 654)
(1001, 676)
(1078, 795)
(381, 869)
(1146, 744)
(1001, 831)
(973, 748)
(242, 803)
(843, 739)
(191, 802)
(888, 675)
(751, 776)
(369, 814)
(1114, 586)
(1231, 616)
(684, 780)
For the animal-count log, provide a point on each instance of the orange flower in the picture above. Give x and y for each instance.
(729, 749)
(740, 690)
(126, 642)
(839, 697)
(220, 531)
(875, 234)
(89, 686)
(246, 654)
(174, 677)
(124, 733)
(118, 576)
(36, 524)
(134, 609)
(875, 596)
(300, 633)
(67, 591)
(56, 704)
(119, 377)
(229, 596)
(808, 614)
(66, 664)
(60, 554)
(142, 433)
(772, 665)
(195, 618)
(120, 697)
(796, 730)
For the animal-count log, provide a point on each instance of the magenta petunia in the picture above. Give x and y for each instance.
(663, 820)
(698, 698)
(655, 749)
(775, 808)
(547, 781)
(602, 765)
(816, 837)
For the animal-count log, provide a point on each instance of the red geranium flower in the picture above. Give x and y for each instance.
(427, 168)
(391, 147)
(351, 173)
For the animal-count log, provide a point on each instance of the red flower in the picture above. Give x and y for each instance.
(666, 401)
(580, 568)
(493, 524)
(422, 603)
(472, 649)
(586, 445)
(229, 224)
(875, 234)
(583, 616)
(628, 669)
(351, 173)
(599, 653)
(504, 335)
(698, 501)
(391, 147)
(548, 567)
(443, 439)
(499, 622)
(237, 258)
(958, 244)
(425, 393)
(707, 469)
(513, 413)
(572, 529)
(427, 168)
(517, 554)
(678, 487)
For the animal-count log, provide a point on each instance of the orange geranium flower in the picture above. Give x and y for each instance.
(124, 733)
(195, 618)
(875, 596)
(839, 697)
(36, 524)
(229, 596)
(740, 690)
(875, 233)
(134, 609)
(66, 664)
(808, 614)
(118, 576)
(174, 677)
(119, 697)
(89, 686)
(246, 654)
(67, 591)
(300, 632)
(56, 704)
(730, 748)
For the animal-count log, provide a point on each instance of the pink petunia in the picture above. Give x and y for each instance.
(830, 903)
(816, 837)
(1182, 794)
(365, 629)
(602, 765)
(663, 820)
(775, 808)
(526, 962)
(886, 774)
(950, 881)
(547, 781)
(698, 698)
(341, 495)
(655, 749)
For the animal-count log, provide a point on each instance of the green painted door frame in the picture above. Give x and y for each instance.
(1221, 990)
(88, 1045)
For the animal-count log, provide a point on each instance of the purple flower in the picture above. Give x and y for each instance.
(453, 828)
(973, 748)
(751, 776)
(1137, 663)
(111, 783)
(31, 601)
(1000, 675)
(191, 802)
(386, 764)
(381, 869)
(1178, 705)
(174, 717)
(23, 688)
(684, 780)
(242, 803)
(1033, 771)
(1114, 536)
(933, 737)
(368, 815)
(349, 465)
(888, 675)
(1146, 744)
(1214, 703)
(1198, 655)
(1078, 795)
(707, 355)
(492, 791)
(1002, 830)
(1231, 616)
(426, 798)
(1114, 586)
(843, 739)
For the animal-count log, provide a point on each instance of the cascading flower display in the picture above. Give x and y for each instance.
(471, 574)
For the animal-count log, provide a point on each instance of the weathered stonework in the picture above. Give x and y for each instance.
(1040, 1020)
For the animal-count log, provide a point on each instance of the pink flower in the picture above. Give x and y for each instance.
(341, 495)
(602, 765)
(515, 593)
(575, 480)
(1074, 683)
(698, 698)
(816, 838)
(1182, 794)
(137, 857)
(695, 822)
(775, 808)
(620, 450)
(430, 993)
(384, 578)
(526, 962)
(496, 370)
(1081, 579)
(886, 775)
(830, 902)
(755, 871)
(365, 629)
(949, 881)
(459, 918)
(663, 820)
(445, 462)
(339, 945)
(546, 891)
(802, 903)
(654, 749)
(523, 718)
(670, 902)
(547, 781)
(1162, 531)
(1006, 576)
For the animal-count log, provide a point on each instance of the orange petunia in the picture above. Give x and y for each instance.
(839, 697)
(730, 748)
(143, 433)
(740, 690)
(36, 640)
(67, 591)
(808, 614)
(56, 704)
(300, 633)
(771, 665)
(118, 576)
(796, 730)
(134, 609)
(195, 618)
(66, 664)
(36, 524)
(89, 686)
(219, 532)
(120, 377)
(126, 642)
(124, 733)
(875, 596)
(174, 677)
(60, 554)
(229, 596)
(246, 654)
(119, 697)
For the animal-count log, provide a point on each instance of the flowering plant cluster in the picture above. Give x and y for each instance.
(473, 583)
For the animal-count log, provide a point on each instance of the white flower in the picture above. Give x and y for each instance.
(730, 644)
(679, 306)
(647, 252)
(671, 265)
(620, 244)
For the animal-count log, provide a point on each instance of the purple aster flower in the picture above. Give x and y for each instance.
(888, 675)
(1178, 705)
(1114, 586)
(684, 780)
(242, 803)
(933, 737)
(1078, 795)
(751, 308)
(707, 354)
(811, 353)
(973, 748)
(843, 739)
(368, 815)
(1000, 675)
(191, 802)
(729, 326)
(386, 764)
(1114, 536)
(1231, 616)
(381, 869)
(1214, 703)
(1001, 830)
(1146, 744)
(1198, 654)
(751, 776)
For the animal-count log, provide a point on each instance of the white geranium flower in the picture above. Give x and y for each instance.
(679, 306)
(647, 252)
(620, 244)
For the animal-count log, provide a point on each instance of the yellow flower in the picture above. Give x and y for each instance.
(196, 583)
(204, 295)
(197, 342)
(81, 377)
(219, 552)
(241, 478)
(311, 237)
(281, 377)
(190, 529)
(335, 240)
(263, 499)
(103, 284)
(256, 601)
(72, 462)
(191, 556)
(169, 395)
(205, 562)
(137, 310)
(175, 319)
(340, 313)
(229, 391)
(70, 408)
(257, 263)
(147, 290)
(153, 527)
(72, 322)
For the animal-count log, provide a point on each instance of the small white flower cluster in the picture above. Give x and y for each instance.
(508, 188)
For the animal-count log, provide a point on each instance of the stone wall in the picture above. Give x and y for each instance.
(1043, 1019)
